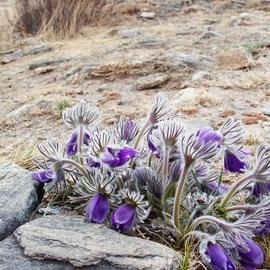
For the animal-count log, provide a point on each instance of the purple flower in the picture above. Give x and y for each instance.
(219, 259)
(43, 176)
(124, 217)
(207, 134)
(265, 229)
(234, 160)
(91, 162)
(117, 157)
(97, 208)
(72, 144)
(253, 257)
(214, 186)
(260, 188)
(152, 147)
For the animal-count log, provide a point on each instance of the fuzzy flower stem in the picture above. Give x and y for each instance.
(245, 208)
(179, 192)
(234, 189)
(208, 219)
(78, 166)
(80, 142)
(139, 136)
(165, 165)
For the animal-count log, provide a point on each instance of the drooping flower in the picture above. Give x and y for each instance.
(219, 260)
(124, 217)
(72, 144)
(252, 257)
(42, 176)
(235, 160)
(97, 208)
(117, 157)
(260, 188)
(154, 149)
(207, 134)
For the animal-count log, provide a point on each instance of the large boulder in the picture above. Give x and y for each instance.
(18, 198)
(79, 243)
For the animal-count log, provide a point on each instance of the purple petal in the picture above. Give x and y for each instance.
(219, 259)
(234, 161)
(71, 147)
(123, 218)
(42, 176)
(97, 208)
(260, 188)
(86, 138)
(214, 186)
(207, 134)
(125, 155)
(252, 258)
(152, 147)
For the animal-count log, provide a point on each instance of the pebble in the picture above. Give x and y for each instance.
(148, 15)
(151, 81)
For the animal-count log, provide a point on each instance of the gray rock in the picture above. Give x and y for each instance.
(49, 211)
(266, 111)
(151, 81)
(43, 63)
(39, 104)
(148, 15)
(12, 258)
(200, 75)
(11, 57)
(184, 59)
(130, 33)
(82, 244)
(18, 198)
(41, 48)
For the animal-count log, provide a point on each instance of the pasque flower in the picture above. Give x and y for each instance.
(154, 149)
(260, 188)
(126, 130)
(97, 208)
(115, 157)
(42, 176)
(253, 256)
(219, 260)
(234, 160)
(72, 144)
(124, 217)
(207, 134)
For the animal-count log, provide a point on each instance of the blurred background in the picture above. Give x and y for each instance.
(211, 58)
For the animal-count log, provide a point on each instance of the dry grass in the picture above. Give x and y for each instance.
(5, 29)
(21, 154)
(60, 18)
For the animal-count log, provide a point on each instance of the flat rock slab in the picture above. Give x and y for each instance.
(18, 198)
(151, 81)
(82, 244)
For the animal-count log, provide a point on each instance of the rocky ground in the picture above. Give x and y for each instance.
(211, 60)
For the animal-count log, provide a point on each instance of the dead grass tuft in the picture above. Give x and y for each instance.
(21, 154)
(60, 18)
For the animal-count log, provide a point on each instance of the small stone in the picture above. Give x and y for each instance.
(148, 15)
(73, 240)
(11, 57)
(41, 48)
(266, 111)
(18, 198)
(244, 17)
(129, 33)
(49, 211)
(233, 21)
(43, 63)
(151, 81)
(235, 60)
(184, 59)
(209, 34)
(44, 70)
(200, 75)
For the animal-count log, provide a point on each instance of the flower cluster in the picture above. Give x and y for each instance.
(158, 174)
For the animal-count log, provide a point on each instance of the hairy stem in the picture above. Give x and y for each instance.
(165, 166)
(179, 192)
(208, 219)
(77, 165)
(139, 136)
(80, 143)
(234, 189)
